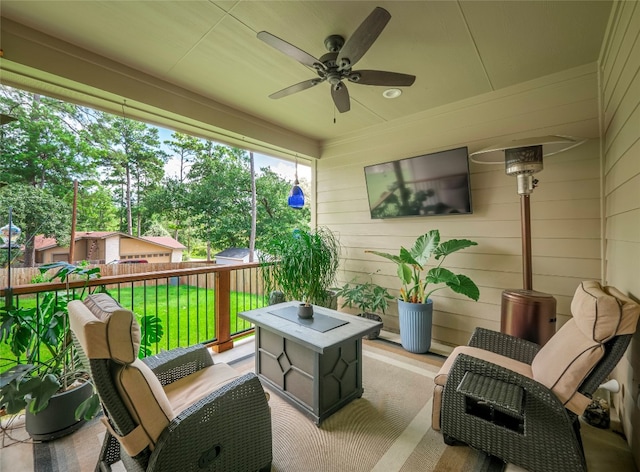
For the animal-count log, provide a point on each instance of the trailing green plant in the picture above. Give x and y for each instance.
(302, 265)
(39, 336)
(412, 264)
(366, 296)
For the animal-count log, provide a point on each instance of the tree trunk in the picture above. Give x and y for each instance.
(29, 250)
(252, 238)
(128, 202)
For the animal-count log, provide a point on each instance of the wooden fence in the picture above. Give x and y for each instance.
(241, 280)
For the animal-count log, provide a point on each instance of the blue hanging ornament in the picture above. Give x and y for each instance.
(296, 196)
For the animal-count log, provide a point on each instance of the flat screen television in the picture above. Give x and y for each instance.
(429, 185)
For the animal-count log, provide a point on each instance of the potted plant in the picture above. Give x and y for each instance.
(415, 307)
(52, 385)
(368, 298)
(302, 266)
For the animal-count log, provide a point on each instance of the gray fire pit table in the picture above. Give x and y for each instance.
(316, 364)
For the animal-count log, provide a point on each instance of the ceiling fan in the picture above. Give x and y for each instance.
(336, 65)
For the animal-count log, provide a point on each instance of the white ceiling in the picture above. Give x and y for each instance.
(456, 49)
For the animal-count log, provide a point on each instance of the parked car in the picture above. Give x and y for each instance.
(129, 261)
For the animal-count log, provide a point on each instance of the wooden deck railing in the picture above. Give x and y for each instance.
(195, 305)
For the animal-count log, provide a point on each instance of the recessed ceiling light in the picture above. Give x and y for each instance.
(392, 93)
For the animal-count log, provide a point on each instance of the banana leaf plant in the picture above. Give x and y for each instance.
(417, 286)
(40, 338)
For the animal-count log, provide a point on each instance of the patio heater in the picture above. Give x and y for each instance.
(526, 313)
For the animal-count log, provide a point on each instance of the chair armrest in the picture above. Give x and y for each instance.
(502, 396)
(545, 435)
(504, 344)
(177, 363)
(539, 401)
(230, 429)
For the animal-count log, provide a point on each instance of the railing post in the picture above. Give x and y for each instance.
(223, 311)
(8, 298)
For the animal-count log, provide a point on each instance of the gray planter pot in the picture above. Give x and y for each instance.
(305, 311)
(58, 418)
(415, 325)
(374, 317)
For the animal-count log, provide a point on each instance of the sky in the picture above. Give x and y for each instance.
(284, 168)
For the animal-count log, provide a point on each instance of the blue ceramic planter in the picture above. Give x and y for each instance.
(415, 325)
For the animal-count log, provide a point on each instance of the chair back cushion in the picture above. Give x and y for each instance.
(603, 312)
(570, 355)
(565, 361)
(105, 330)
(122, 331)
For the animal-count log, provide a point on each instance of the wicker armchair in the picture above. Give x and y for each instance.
(520, 402)
(177, 411)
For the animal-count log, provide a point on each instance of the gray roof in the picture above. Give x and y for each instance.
(234, 253)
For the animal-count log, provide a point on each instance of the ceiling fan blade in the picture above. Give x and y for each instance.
(290, 50)
(360, 41)
(296, 88)
(340, 96)
(380, 77)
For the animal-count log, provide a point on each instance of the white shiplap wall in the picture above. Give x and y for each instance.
(620, 108)
(565, 208)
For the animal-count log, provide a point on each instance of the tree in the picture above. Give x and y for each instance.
(275, 218)
(220, 196)
(36, 211)
(135, 161)
(220, 200)
(156, 229)
(49, 145)
(185, 148)
(254, 209)
(96, 208)
(168, 202)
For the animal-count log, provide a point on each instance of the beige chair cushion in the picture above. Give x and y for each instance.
(511, 364)
(105, 330)
(602, 313)
(443, 374)
(145, 399)
(112, 333)
(630, 311)
(564, 362)
(188, 390)
(436, 407)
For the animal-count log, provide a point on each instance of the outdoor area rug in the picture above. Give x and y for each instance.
(388, 429)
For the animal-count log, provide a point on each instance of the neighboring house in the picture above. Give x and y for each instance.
(108, 246)
(235, 255)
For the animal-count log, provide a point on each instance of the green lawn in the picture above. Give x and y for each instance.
(186, 312)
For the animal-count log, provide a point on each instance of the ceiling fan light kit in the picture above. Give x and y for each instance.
(392, 93)
(336, 66)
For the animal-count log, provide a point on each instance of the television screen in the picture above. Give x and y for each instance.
(431, 184)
